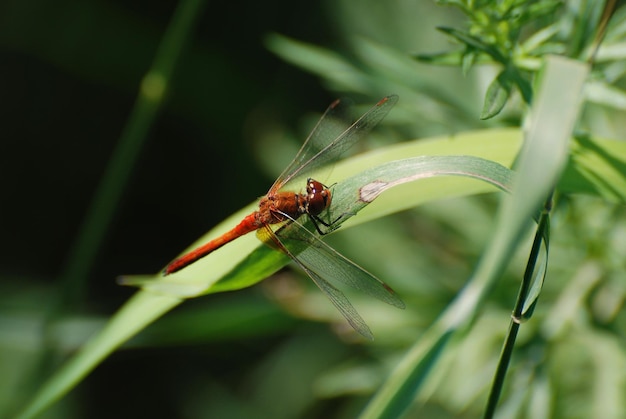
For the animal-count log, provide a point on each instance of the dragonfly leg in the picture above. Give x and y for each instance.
(330, 226)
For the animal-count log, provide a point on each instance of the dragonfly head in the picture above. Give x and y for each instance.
(318, 197)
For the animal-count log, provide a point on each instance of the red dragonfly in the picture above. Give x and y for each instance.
(317, 259)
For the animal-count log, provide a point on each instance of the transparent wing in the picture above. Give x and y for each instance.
(332, 265)
(339, 300)
(330, 138)
(323, 264)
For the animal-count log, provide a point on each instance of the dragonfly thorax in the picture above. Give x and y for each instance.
(282, 206)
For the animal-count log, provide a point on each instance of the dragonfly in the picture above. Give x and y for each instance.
(284, 208)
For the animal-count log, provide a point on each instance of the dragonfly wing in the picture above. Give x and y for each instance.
(331, 137)
(339, 300)
(331, 124)
(329, 263)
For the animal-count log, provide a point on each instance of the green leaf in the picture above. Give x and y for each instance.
(474, 42)
(469, 58)
(136, 314)
(452, 58)
(536, 10)
(538, 39)
(611, 52)
(317, 60)
(605, 94)
(497, 95)
(597, 168)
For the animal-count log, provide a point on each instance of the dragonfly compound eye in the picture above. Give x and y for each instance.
(318, 197)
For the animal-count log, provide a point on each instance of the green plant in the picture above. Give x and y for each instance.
(453, 328)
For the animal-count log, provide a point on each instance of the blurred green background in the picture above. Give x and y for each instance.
(233, 116)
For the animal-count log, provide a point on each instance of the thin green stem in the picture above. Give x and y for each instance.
(151, 97)
(516, 317)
